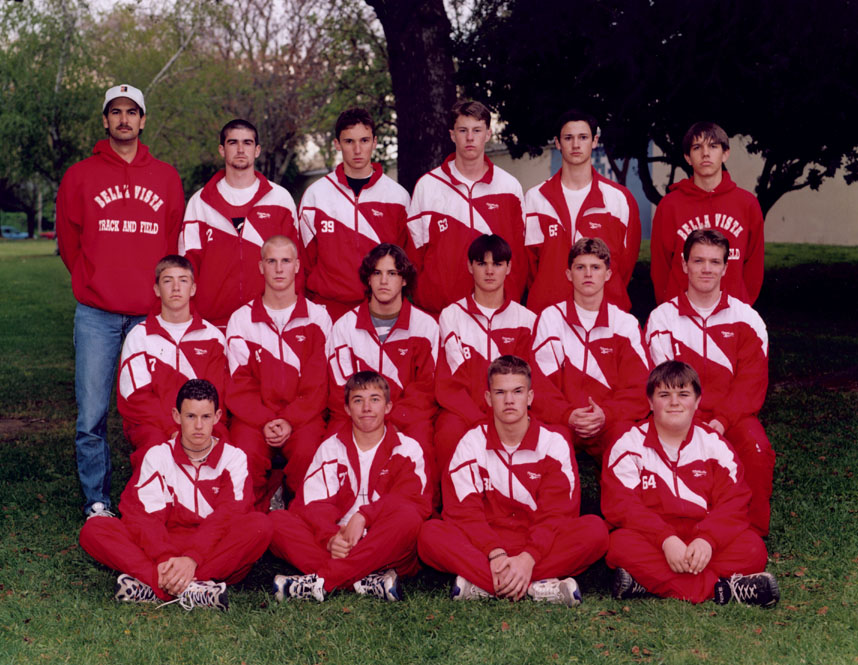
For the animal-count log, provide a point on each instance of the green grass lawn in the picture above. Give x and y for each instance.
(56, 604)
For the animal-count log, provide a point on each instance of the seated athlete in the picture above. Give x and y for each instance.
(186, 517)
(162, 353)
(511, 523)
(387, 334)
(474, 331)
(726, 341)
(278, 374)
(591, 362)
(675, 492)
(365, 496)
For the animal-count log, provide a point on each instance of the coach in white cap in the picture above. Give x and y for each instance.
(118, 213)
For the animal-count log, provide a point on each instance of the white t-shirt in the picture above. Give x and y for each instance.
(234, 195)
(280, 316)
(587, 317)
(488, 312)
(365, 459)
(704, 312)
(575, 199)
(671, 451)
(176, 330)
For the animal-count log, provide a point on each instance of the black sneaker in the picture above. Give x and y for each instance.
(626, 586)
(757, 589)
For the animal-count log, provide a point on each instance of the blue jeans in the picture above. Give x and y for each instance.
(98, 337)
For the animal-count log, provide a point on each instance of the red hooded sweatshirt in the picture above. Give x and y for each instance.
(733, 211)
(115, 221)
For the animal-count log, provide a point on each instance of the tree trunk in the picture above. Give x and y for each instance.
(421, 72)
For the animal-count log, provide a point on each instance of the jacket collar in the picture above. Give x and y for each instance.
(573, 319)
(375, 176)
(364, 318)
(487, 177)
(685, 307)
(180, 457)
(529, 442)
(258, 313)
(214, 198)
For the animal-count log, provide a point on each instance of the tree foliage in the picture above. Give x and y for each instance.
(288, 66)
(761, 69)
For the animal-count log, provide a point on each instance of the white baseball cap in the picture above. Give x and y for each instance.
(124, 90)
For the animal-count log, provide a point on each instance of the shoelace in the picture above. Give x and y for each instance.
(741, 592)
(546, 590)
(190, 598)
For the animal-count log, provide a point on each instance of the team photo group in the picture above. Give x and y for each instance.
(373, 381)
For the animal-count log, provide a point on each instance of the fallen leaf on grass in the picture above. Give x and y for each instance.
(504, 626)
(792, 608)
(636, 650)
(823, 610)
(347, 610)
(626, 608)
(758, 631)
(599, 646)
(430, 617)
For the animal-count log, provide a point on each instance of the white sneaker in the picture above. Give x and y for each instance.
(131, 590)
(98, 509)
(466, 590)
(299, 586)
(553, 590)
(206, 593)
(383, 584)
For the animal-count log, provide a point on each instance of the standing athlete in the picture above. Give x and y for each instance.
(578, 203)
(226, 223)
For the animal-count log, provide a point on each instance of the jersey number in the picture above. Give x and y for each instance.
(258, 356)
(151, 364)
(208, 235)
(649, 481)
(466, 352)
(552, 230)
(676, 350)
(327, 226)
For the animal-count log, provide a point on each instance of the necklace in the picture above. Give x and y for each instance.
(206, 450)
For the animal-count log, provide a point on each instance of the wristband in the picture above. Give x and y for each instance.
(499, 554)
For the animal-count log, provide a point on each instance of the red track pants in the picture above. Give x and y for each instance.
(391, 542)
(446, 547)
(298, 450)
(108, 541)
(645, 562)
